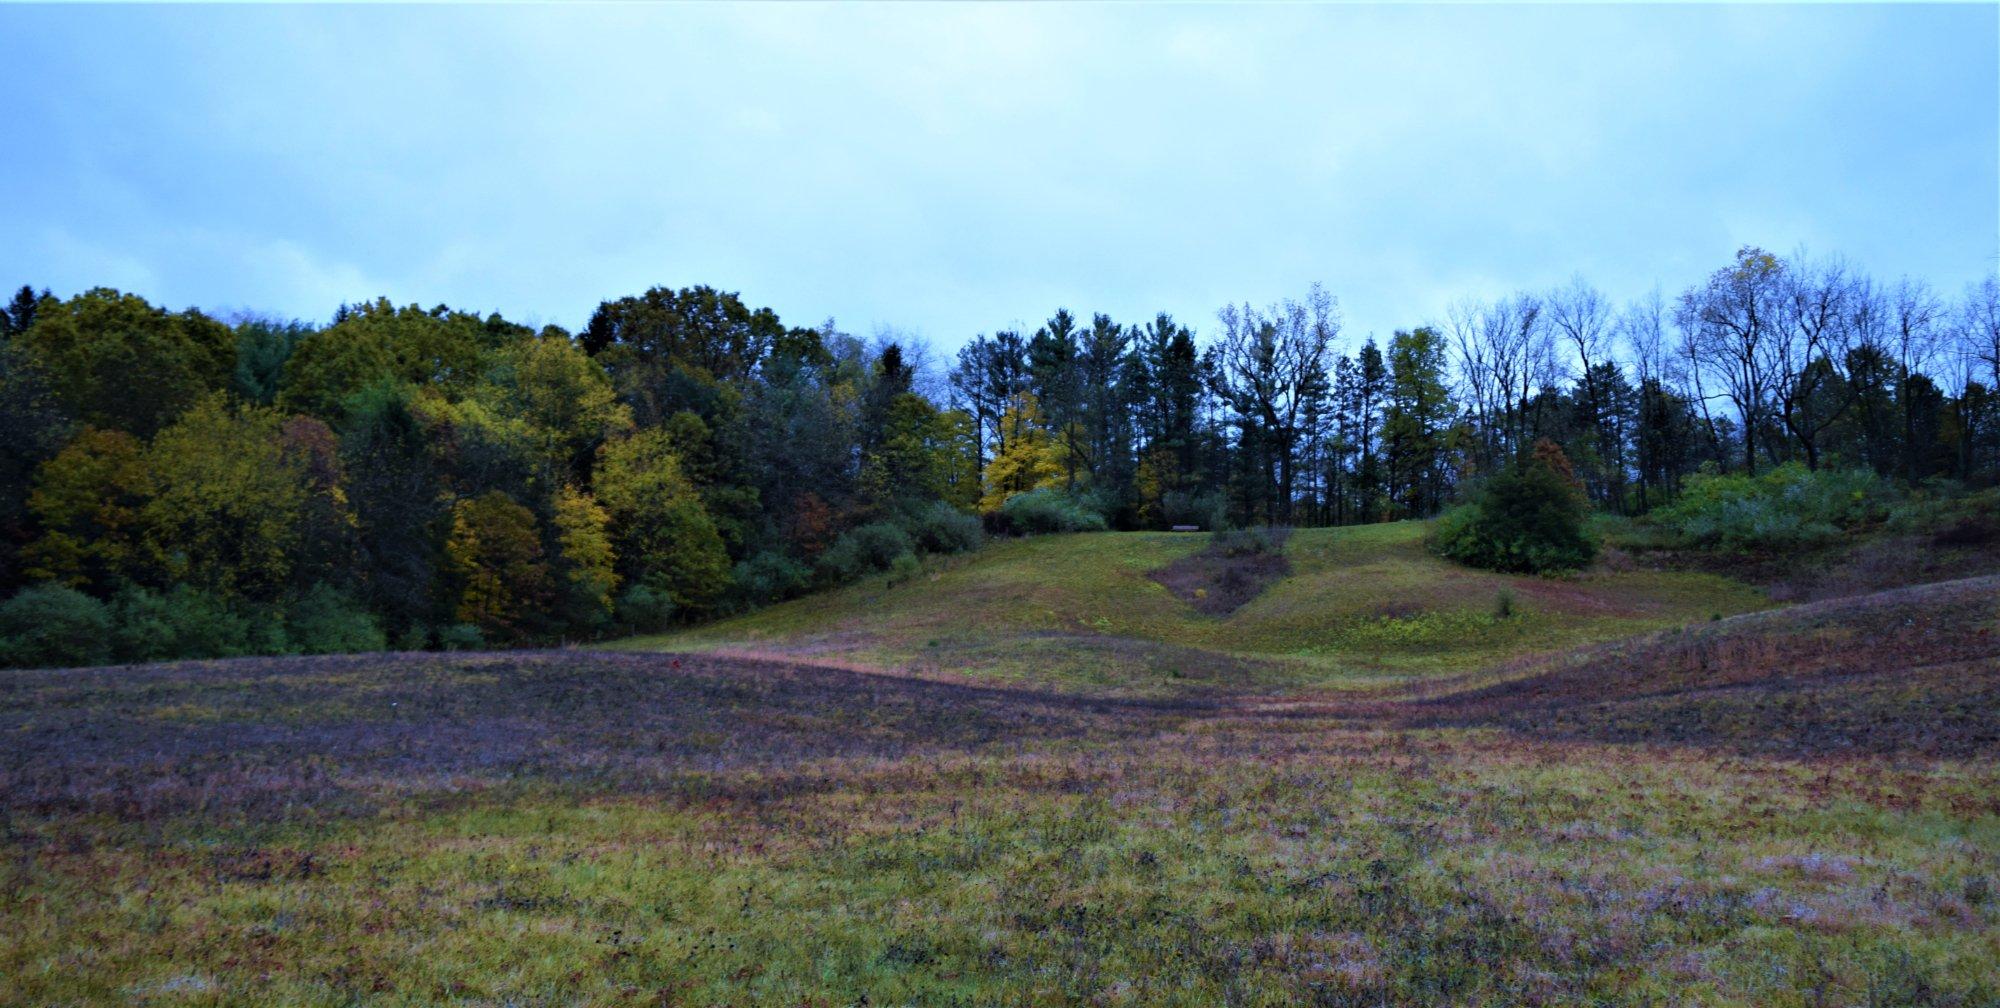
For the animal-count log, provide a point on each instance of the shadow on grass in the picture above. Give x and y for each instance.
(266, 738)
(1911, 671)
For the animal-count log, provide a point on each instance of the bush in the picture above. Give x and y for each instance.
(769, 577)
(1245, 542)
(1041, 512)
(142, 628)
(50, 625)
(188, 623)
(1526, 520)
(1203, 510)
(863, 551)
(905, 568)
(645, 608)
(460, 637)
(942, 528)
(324, 621)
(1782, 508)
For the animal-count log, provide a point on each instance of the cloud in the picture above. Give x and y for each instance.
(955, 169)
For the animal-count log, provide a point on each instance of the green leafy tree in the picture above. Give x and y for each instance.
(398, 497)
(921, 454)
(89, 501)
(119, 363)
(377, 342)
(665, 537)
(33, 427)
(556, 401)
(225, 514)
(587, 563)
(262, 347)
(1416, 424)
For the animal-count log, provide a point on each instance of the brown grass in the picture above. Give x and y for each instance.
(1229, 572)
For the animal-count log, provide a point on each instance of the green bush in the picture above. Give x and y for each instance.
(905, 568)
(188, 623)
(142, 628)
(863, 551)
(460, 637)
(1526, 520)
(1782, 508)
(324, 621)
(1245, 542)
(1203, 510)
(1041, 512)
(645, 608)
(49, 625)
(769, 577)
(942, 528)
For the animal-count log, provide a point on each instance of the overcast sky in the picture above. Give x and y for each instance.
(954, 170)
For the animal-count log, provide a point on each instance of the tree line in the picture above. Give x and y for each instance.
(425, 476)
(1278, 420)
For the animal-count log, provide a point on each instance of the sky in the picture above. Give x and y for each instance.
(942, 171)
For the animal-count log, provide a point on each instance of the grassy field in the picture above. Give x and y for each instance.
(1616, 801)
(1361, 605)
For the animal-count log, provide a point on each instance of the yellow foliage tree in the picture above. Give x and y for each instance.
(496, 556)
(1028, 457)
(664, 534)
(89, 500)
(589, 574)
(225, 514)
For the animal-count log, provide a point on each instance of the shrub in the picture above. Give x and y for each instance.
(51, 625)
(1245, 542)
(460, 637)
(905, 568)
(863, 551)
(324, 621)
(645, 608)
(1523, 520)
(1204, 510)
(189, 623)
(942, 528)
(142, 628)
(1040, 512)
(770, 576)
(414, 637)
(1786, 507)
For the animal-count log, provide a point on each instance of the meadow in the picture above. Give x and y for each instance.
(1359, 605)
(1034, 776)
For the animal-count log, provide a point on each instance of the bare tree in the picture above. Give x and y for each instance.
(1270, 365)
(1809, 350)
(1915, 312)
(1463, 326)
(1729, 321)
(1517, 339)
(1979, 327)
(1582, 317)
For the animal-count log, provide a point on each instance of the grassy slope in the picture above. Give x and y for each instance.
(1080, 610)
(1795, 808)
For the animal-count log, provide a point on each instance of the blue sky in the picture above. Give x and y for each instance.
(953, 170)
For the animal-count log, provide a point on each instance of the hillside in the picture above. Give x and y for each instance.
(1085, 611)
(1765, 809)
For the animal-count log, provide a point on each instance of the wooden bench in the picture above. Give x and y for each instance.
(1187, 528)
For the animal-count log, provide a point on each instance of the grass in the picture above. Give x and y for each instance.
(1795, 808)
(1360, 604)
